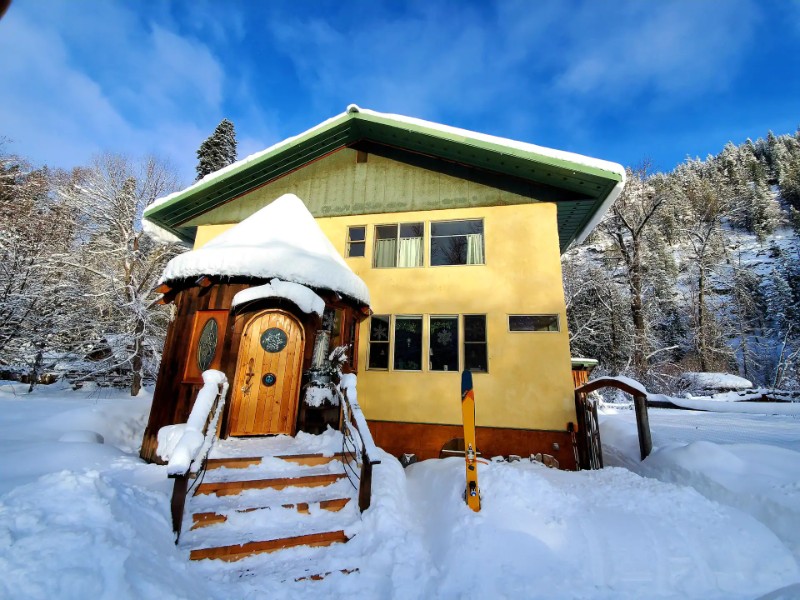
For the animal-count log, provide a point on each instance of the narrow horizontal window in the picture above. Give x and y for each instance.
(398, 245)
(408, 343)
(356, 241)
(444, 344)
(533, 323)
(457, 243)
(379, 328)
(475, 353)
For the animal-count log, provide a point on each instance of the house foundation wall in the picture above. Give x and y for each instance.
(426, 441)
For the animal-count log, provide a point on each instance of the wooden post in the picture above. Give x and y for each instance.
(643, 426)
(365, 484)
(178, 503)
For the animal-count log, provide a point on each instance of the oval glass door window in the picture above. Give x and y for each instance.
(207, 344)
(269, 379)
(274, 339)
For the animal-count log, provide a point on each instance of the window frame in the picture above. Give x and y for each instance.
(349, 242)
(431, 236)
(459, 337)
(388, 342)
(393, 345)
(191, 370)
(464, 341)
(397, 239)
(556, 330)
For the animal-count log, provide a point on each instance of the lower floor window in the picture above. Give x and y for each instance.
(444, 344)
(475, 355)
(399, 341)
(408, 343)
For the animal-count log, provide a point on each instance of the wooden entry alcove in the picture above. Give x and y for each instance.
(268, 373)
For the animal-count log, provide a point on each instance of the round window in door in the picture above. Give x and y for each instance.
(274, 339)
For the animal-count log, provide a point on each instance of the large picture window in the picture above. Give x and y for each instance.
(475, 355)
(398, 245)
(444, 344)
(457, 243)
(408, 343)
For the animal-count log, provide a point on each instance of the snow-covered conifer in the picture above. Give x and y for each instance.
(218, 150)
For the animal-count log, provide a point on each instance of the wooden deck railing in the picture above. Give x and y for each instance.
(356, 431)
(182, 470)
(589, 448)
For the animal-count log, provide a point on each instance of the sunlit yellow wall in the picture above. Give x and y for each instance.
(529, 383)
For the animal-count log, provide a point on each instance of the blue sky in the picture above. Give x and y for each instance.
(615, 79)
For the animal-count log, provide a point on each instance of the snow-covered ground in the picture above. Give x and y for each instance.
(83, 519)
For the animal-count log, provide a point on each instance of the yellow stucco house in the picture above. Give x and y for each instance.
(458, 237)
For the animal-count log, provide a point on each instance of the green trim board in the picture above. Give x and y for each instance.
(584, 188)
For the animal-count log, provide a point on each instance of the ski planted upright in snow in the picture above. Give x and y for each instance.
(468, 414)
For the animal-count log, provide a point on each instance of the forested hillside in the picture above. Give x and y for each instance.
(696, 270)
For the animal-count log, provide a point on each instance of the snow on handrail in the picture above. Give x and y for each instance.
(183, 444)
(347, 385)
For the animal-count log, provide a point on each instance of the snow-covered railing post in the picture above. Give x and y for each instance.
(627, 385)
(185, 446)
(353, 416)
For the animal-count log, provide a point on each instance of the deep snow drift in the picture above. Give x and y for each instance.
(82, 519)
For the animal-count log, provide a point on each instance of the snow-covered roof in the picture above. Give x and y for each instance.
(305, 298)
(597, 181)
(281, 240)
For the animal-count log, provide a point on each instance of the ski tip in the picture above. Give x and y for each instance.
(466, 382)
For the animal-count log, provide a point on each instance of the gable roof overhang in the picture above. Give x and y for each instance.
(591, 185)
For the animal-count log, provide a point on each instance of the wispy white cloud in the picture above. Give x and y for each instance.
(80, 82)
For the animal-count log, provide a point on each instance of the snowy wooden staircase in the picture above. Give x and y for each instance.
(265, 502)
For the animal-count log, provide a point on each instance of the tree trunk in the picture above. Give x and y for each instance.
(137, 361)
(701, 320)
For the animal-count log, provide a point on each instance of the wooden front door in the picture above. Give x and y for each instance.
(268, 372)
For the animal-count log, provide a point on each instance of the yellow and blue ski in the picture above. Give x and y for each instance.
(468, 414)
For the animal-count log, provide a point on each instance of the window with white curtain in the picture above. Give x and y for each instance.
(398, 245)
(457, 242)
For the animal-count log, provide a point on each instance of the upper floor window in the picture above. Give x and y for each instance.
(398, 245)
(356, 240)
(533, 323)
(457, 242)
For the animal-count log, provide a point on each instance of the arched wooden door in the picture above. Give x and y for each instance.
(268, 372)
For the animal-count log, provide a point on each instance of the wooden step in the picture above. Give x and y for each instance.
(242, 462)
(239, 551)
(210, 518)
(310, 460)
(228, 488)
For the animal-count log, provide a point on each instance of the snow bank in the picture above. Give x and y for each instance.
(716, 381)
(281, 240)
(761, 480)
(756, 408)
(543, 533)
(85, 535)
(305, 299)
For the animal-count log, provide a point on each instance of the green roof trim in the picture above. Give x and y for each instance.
(594, 184)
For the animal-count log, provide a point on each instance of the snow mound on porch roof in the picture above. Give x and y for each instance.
(281, 240)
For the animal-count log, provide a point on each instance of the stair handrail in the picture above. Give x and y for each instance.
(353, 415)
(186, 445)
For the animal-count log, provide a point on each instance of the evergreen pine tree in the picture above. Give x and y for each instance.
(218, 151)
